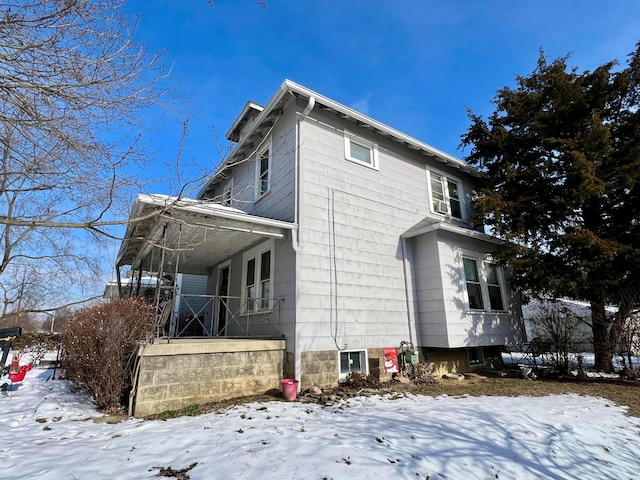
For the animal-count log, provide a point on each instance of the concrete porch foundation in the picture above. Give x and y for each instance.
(196, 371)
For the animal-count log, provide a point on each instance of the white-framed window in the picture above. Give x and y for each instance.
(484, 282)
(475, 356)
(353, 361)
(446, 195)
(263, 170)
(257, 278)
(361, 151)
(227, 193)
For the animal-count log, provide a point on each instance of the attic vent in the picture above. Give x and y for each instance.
(441, 207)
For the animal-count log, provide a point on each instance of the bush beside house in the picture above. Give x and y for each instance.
(100, 343)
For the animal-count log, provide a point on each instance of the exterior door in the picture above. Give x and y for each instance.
(223, 298)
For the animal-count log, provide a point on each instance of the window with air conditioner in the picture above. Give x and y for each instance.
(446, 196)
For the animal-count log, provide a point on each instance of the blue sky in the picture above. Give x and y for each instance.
(413, 65)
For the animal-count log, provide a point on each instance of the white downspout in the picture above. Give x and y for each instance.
(295, 239)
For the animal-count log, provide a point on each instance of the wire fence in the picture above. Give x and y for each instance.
(544, 358)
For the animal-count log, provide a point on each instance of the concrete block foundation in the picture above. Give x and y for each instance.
(197, 371)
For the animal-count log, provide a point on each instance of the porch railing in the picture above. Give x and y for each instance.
(219, 316)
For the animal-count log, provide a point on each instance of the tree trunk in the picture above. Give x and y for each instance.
(602, 344)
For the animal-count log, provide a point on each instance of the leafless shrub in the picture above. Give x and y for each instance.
(558, 331)
(360, 380)
(99, 345)
(422, 374)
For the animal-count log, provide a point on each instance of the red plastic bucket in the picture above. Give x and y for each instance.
(289, 389)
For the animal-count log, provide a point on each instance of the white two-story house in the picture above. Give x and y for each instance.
(339, 234)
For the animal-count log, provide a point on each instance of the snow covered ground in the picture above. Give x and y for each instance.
(48, 432)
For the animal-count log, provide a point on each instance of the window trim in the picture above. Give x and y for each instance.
(258, 191)
(256, 254)
(445, 179)
(482, 260)
(362, 142)
(364, 362)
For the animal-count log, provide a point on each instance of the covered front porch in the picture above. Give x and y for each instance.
(174, 240)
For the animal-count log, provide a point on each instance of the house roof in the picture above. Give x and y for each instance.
(271, 112)
(193, 233)
(431, 225)
(250, 108)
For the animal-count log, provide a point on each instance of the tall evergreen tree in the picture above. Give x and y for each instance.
(562, 155)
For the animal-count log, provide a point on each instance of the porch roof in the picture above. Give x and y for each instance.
(427, 225)
(195, 234)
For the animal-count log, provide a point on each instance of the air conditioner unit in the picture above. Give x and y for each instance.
(441, 207)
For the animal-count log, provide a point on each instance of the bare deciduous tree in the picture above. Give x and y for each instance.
(72, 84)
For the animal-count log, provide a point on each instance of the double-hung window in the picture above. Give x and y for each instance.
(484, 284)
(227, 193)
(446, 195)
(263, 171)
(257, 278)
(360, 151)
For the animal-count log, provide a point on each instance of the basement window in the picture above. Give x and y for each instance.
(476, 356)
(353, 361)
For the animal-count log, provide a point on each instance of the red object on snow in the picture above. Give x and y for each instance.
(15, 364)
(19, 376)
(17, 371)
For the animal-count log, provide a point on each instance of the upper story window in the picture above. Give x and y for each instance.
(446, 195)
(484, 283)
(227, 193)
(257, 278)
(263, 171)
(361, 151)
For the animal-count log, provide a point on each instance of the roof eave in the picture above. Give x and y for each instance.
(290, 87)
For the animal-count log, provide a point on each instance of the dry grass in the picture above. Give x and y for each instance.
(620, 392)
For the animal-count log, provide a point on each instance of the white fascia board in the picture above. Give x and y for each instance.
(188, 205)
